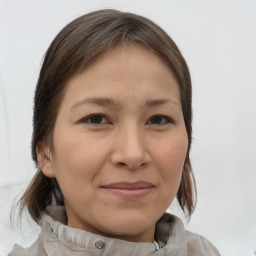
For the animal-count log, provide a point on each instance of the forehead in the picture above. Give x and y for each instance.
(125, 72)
(129, 57)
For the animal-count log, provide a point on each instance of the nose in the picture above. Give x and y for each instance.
(131, 150)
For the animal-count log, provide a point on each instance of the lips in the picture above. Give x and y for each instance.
(131, 191)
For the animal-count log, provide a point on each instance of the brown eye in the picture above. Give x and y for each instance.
(159, 120)
(95, 119)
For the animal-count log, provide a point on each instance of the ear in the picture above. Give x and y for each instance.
(44, 157)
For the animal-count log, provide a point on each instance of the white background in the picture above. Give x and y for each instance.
(218, 40)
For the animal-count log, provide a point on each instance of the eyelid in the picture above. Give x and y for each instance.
(86, 118)
(167, 118)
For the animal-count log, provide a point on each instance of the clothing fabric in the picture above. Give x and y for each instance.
(57, 239)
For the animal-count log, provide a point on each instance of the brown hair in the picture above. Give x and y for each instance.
(70, 52)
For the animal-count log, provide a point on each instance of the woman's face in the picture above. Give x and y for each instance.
(119, 144)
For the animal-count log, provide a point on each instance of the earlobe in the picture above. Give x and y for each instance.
(45, 159)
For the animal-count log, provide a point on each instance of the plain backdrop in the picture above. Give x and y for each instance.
(218, 40)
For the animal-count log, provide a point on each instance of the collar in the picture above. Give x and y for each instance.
(167, 234)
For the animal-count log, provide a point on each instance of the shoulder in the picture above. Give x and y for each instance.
(199, 245)
(34, 249)
(49, 241)
(175, 240)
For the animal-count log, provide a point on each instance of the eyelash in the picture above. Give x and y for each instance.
(168, 120)
(86, 120)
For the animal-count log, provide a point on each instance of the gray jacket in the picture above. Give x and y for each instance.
(57, 239)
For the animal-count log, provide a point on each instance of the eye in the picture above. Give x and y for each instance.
(160, 120)
(95, 119)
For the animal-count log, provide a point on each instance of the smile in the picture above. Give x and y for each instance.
(130, 191)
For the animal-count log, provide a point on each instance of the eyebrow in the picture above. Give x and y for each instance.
(98, 101)
(108, 102)
(157, 102)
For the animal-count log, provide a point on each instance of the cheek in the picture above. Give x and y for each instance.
(76, 148)
(171, 160)
(173, 152)
(79, 160)
(76, 160)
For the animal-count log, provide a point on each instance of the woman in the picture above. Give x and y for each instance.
(112, 135)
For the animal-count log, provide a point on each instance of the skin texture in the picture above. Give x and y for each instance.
(138, 135)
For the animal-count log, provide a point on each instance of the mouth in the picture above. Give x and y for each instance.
(130, 191)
